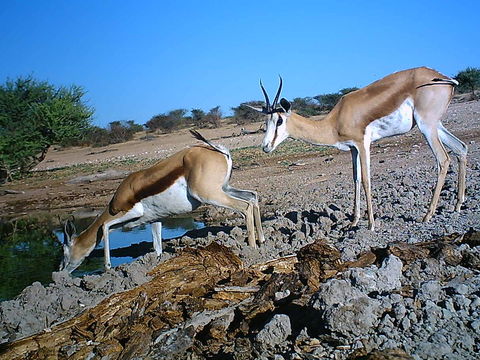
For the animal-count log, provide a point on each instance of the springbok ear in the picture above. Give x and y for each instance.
(254, 108)
(68, 231)
(285, 104)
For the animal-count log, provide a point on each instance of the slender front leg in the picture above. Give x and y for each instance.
(258, 223)
(364, 152)
(134, 213)
(462, 172)
(106, 247)
(356, 182)
(157, 237)
(251, 225)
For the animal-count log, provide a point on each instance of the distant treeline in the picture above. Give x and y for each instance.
(35, 115)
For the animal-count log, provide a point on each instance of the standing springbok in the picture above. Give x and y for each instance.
(387, 107)
(176, 185)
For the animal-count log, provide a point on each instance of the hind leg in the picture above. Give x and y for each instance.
(252, 198)
(459, 148)
(244, 207)
(430, 105)
(443, 161)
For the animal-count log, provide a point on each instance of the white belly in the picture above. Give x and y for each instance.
(398, 122)
(174, 200)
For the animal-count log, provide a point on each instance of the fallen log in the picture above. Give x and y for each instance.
(205, 301)
(123, 325)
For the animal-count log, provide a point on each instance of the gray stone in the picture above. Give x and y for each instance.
(459, 288)
(334, 292)
(275, 331)
(357, 318)
(447, 315)
(475, 325)
(386, 278)
(399, 311)
(431, 312)
(405, 323)
(461, 302)
(448, 305)
(429, 290)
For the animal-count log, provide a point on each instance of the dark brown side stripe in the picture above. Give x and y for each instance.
(154, 188)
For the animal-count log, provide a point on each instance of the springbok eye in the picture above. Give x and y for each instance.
(279, 121)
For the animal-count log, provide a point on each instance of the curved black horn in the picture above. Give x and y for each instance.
(267, 100)
(278, 93)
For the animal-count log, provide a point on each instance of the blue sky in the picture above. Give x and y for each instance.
(137, 59)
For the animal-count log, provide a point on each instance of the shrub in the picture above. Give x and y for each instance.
(33, 116)
(244, 115)
(468, 80)
(167, 122)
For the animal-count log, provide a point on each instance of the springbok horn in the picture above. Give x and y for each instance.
(267, 100)
(278, 94)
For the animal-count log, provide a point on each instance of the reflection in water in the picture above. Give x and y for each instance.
(30, 252)
(122, 249)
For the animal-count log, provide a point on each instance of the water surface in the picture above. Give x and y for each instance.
(30, 251)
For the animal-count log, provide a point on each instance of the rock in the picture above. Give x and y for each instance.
(237, 233)
(387, 354)
(429, 290)
(334, 292)
(475, 325)
(461, 302)
(386, 278)
(431, 312)
(357, 318)
(458, 288)
(274, 332)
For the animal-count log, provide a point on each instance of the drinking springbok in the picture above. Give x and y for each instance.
(390, 106)
(176, 185)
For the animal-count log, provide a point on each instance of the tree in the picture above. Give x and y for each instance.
(33, 116)
(214, 116)
(244, 115)
(198, 117)
(167, 122)
(468, 80)
(306, 106)
(134, 126)
(328, 101)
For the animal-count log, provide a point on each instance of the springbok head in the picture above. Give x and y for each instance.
(72, 255)
(276, 121)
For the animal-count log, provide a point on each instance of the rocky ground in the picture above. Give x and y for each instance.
(421, 307)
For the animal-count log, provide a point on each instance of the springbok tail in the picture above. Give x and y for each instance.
(219, 148)
(439, 81)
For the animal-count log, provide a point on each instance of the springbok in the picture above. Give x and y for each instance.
(176, 185)
(390, 106)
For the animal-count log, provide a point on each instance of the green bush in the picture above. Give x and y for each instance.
(244, 115)
(33, 116)
(169, 122)
(468, 80)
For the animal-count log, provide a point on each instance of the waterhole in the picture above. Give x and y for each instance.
(30, 251)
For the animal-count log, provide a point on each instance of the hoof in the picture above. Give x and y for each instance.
(426, 218)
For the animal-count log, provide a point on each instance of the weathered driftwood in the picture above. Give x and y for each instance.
(205, 301)
(122, 326)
